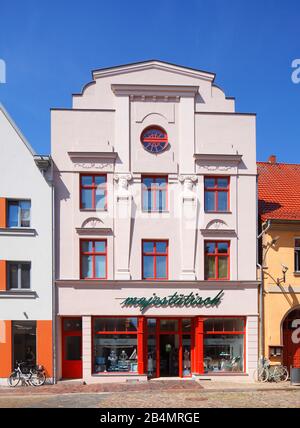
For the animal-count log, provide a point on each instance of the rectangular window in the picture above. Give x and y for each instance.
(297, 255)
(224, 342)
(24, 343)
(18, 213)
(216, 194)
(93, 192)
(18, 275)
(216, 260)
(93, 259)
(155, 260)
(154, 193)
(115, 352)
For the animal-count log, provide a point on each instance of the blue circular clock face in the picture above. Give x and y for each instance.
(154, 139)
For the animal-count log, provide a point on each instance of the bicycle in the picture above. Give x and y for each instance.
(34, 376)
(268, 373)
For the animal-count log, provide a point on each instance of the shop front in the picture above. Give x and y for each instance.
(159, 344)
(25, 341)
(157, 347)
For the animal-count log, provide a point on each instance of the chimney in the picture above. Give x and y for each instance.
(272, 159)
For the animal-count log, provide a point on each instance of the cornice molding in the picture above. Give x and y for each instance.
(154, 90)
(94, 231)
(153, 65)
(94, 156)
(218, 157)
(156, 285)
(15, 231)
(218, 232)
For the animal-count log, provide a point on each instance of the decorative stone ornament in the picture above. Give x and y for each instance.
(188, 186)
(123, 181)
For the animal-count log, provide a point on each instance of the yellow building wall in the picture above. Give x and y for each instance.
(279, 299)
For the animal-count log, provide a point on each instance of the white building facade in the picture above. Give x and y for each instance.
(25, 253)
(155, 204)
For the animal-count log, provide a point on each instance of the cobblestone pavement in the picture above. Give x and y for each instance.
(201, 399)
(153, 394)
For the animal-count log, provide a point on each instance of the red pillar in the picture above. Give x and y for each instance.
(199, 349)
(141, 345)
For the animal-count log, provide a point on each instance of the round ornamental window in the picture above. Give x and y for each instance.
(154, 139)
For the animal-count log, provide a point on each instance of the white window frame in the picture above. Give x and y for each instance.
(19, 287)
(19, 213)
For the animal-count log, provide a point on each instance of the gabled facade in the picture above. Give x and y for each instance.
(155, 202)
(25, 253)
(279, 209)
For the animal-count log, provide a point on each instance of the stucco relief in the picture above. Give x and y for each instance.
(188, 186)
(91, 223)
(94, 165)
(158, 107)
(216, 167)
(123, 182)
(216, 224)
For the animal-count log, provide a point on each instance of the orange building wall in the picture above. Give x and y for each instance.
(5, 348)
(2, 275)
(2, 212)
(44, 346)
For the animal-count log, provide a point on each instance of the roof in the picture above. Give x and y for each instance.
(152, 63)
(13, 124)
(278, 191)
(42, 162)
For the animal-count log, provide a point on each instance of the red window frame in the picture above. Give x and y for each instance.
(94, 188)
(216, 255)
(153, 189)
(93, 253)
(217, 190)
(155, 254)
(243, 332)
(139, 333)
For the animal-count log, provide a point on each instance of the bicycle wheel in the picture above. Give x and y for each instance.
(276, 374)
(14, 379)
(38, 378)
(261, 375)
(283, 374)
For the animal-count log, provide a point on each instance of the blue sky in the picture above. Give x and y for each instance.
(50, 48)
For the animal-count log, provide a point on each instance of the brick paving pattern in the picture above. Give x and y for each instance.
(155, 394)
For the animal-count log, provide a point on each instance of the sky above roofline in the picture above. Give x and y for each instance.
(50, 49)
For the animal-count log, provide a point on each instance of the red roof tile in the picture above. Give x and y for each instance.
(278, 191)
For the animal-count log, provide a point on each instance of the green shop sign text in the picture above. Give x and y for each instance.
(192, 300)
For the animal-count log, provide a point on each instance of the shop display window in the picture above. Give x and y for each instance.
(115, 353)
(115, 324)
(224, 345)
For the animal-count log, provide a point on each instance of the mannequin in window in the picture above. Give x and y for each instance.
(186, 363)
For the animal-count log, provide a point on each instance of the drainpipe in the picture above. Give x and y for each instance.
(261, 293)
(53, 275)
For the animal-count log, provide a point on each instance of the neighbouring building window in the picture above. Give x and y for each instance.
(24, 342)
(154, 193)
(224, 343)
(115, 345)
(18, 213)
(18, 275)
(155, 260)
(216, 191)
(297, 255)
(93, 259)
(216, 260)
(93, 192)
